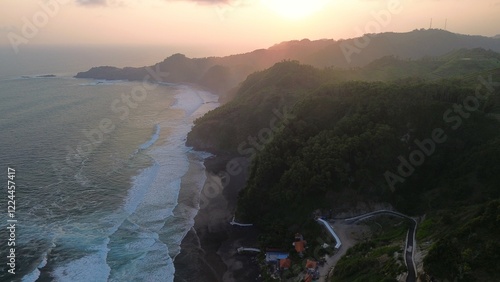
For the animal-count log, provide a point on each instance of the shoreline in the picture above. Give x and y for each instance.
(208, 251)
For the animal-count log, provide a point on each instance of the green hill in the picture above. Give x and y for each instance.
(426, 145)
(221, 74)
(281, 86)
(252, 108)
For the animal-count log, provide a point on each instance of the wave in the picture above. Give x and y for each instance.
(145, 261)
(167, 83)
(153, 139)
(159, 216)
(187, 99)
(31, 277)
(141, 184)
(102, 82)
(92, 267)
(35, 274)
(194, 101)
(41, 262)
(41, 76)
(138, 243)
(139, 240)
(137, 253)
(177, 227)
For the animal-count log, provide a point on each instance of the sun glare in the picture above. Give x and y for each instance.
(295, 9)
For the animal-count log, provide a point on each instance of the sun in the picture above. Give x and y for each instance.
(295, 9)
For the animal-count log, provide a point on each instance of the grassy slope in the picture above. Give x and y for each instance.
(378, 259)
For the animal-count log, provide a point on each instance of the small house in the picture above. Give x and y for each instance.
(275, 256)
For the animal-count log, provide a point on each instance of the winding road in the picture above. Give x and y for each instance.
(410, 247)
(410, 237)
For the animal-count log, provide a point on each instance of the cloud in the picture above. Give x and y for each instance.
(92, 2)
(120, 2)
(7, 28)
(210, 1)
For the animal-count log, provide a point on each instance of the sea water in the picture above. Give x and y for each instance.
(97, 187)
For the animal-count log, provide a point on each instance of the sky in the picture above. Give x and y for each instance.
(223, 27)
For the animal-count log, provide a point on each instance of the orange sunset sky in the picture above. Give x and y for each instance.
(225, 27)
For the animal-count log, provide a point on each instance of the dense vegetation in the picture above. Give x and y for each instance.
(286, 83)
(348, 135)
(466, 244)
(341, 138)
(259, 95)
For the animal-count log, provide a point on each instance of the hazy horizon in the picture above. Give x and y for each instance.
(200, 28)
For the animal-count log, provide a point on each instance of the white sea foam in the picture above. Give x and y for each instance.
(32, 276)
(82, 232)
(161, 197)
(153, 139)
(35, 274)
(92, 267)
(43, 263)
(153, 265)
(154, 196)
(187, 99)
(139, 188)
(210, 102)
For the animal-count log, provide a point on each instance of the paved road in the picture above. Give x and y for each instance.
(410, 238)
(330, 229)
(410, 243)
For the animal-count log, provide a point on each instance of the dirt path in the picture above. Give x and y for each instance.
(349, 235)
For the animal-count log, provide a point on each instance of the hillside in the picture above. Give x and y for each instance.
(453, 64)
(281, 86)
(342, 142)
(415, 45)
(256, 102)
(220, 74)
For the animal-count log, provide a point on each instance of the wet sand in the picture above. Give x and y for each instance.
(208, 252)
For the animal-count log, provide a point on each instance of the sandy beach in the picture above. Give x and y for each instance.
(208, 252)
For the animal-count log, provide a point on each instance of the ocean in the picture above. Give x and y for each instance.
(98, 173)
